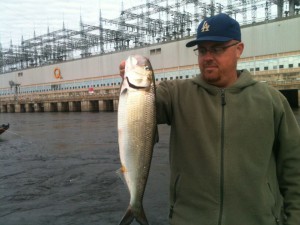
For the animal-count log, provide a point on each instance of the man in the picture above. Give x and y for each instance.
(234, 143)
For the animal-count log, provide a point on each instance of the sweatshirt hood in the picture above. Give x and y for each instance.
(244, 80)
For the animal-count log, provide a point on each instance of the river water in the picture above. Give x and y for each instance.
(59, 168)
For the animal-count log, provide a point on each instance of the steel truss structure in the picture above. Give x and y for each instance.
(148, 23)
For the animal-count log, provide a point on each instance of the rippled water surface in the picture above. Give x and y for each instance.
(59, 168)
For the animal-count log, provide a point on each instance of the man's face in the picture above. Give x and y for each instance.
(218, 64)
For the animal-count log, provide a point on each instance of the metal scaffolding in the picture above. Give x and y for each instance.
(148, 23)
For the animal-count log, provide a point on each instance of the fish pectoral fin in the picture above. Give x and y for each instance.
(140, 217)
(120, 172)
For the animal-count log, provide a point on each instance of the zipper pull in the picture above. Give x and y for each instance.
(223, 101)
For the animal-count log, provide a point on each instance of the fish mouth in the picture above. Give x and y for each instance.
(138, 73)
(137, 86)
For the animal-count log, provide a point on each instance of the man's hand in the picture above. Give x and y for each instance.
(122, 68)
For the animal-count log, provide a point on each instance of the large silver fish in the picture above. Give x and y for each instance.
(137, 132)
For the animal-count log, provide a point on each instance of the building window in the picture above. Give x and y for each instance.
(291, 65)
(257, 69)
(155, 51)
(266, 68)
(281, 66)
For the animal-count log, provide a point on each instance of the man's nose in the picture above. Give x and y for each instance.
(207, 56)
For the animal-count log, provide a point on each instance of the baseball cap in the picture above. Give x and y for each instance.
(219, 28)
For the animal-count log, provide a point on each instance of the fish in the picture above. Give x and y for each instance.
(137, 132)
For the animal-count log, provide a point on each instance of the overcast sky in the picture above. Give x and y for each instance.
(22, 17)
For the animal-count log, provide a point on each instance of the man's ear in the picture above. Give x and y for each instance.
(240, 49)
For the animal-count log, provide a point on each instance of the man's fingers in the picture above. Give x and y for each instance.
(122, 68)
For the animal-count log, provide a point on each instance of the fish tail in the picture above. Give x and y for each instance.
(141, 217)
(130, 216)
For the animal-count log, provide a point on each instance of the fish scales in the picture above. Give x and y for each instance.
(137, 129)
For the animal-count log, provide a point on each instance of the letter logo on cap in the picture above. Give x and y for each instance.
(205, 27)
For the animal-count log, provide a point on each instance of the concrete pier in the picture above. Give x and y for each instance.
(38, 107)
(101, 101)
(72, 106)
(75, 106)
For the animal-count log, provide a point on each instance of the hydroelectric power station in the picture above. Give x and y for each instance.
(78, 70)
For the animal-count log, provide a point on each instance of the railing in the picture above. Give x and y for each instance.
(285, 84)
(108, 93)
(61, 96)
